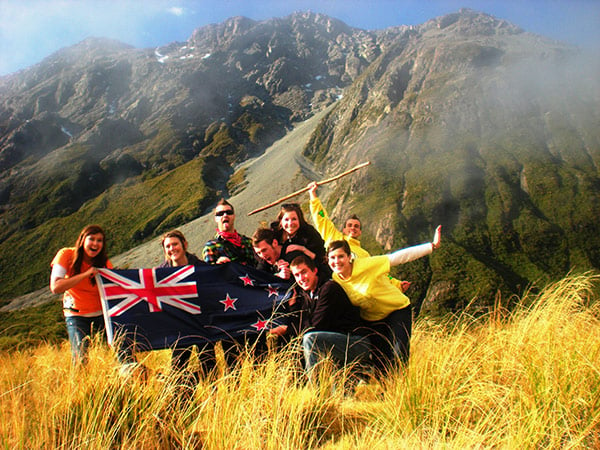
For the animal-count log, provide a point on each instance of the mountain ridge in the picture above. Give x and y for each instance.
(468, 120)
(262, 177)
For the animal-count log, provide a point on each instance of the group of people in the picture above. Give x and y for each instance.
(347, 305)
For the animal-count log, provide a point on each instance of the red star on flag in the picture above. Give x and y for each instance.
(229, 302)
(272, 291)
(260, 324)
(247, 280)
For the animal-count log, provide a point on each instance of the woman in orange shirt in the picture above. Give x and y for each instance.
(73, 271)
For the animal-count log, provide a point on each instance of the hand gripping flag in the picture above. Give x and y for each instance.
(181, 306)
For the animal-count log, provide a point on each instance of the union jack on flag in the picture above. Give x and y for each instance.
(182, 306)
(170, 290)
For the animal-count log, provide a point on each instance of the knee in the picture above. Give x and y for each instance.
(309, 339)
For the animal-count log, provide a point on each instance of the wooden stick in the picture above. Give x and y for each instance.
(319, 183)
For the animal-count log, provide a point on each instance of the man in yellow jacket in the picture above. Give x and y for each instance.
(350, 233)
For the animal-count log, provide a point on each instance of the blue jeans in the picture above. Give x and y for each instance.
(343, 348)
(80, 330)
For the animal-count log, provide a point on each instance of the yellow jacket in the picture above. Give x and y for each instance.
(370, 289)
(330, 233)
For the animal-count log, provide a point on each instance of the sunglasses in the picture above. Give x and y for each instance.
(228, 212)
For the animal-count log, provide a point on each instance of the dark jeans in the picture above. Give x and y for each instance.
(80, 330)
(342, 347)
(390, 338)
(180, 358)
(232, 348)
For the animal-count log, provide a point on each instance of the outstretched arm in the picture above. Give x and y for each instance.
(418, 251)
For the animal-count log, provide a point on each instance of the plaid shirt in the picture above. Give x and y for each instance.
(218, 247)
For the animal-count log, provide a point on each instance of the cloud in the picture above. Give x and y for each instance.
(31, 30)
(177, 11)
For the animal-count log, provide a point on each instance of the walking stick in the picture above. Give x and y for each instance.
(319, 183)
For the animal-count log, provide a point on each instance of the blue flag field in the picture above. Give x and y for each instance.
(181, 306)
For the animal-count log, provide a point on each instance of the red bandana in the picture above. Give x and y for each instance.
(233, 237)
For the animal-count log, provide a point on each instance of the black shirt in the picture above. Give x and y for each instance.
(329, 309)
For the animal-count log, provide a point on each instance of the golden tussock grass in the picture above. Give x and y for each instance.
(528, 378)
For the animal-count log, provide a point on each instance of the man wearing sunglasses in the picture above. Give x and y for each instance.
(228, 245)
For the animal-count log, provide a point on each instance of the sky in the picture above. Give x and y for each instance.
(31, 30)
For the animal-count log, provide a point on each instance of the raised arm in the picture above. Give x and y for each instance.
(312, 190)
(437, 238)
(323, 224)
(418, 251)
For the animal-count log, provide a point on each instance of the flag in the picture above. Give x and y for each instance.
(181, 306)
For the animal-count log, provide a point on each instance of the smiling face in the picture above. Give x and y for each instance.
(290, 222)
(92, 245)
(269, 252)
(340, 263)
(306, 278)
(175, 251)
(225, 218)
(352, 228)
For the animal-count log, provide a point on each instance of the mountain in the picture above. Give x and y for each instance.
(99, 127)
(488, 130)
(468, 121)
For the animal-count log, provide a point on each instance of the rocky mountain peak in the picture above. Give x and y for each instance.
(468, 22)
(453, 114)
(214, 36)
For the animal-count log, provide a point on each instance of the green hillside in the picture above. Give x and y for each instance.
(130, 212)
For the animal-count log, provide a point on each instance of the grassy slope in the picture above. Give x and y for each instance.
(527, 379)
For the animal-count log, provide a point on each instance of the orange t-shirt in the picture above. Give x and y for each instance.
(83, 299)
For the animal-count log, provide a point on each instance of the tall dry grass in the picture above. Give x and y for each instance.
(529, 378)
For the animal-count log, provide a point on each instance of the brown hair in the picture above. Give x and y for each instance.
(263, 234)
(303, 259)
(334, 245)
(224, 202)
(289, 207)
(99, 260)
(174, 234)
(353, 217)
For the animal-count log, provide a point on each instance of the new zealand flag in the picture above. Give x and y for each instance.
(181, 306)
